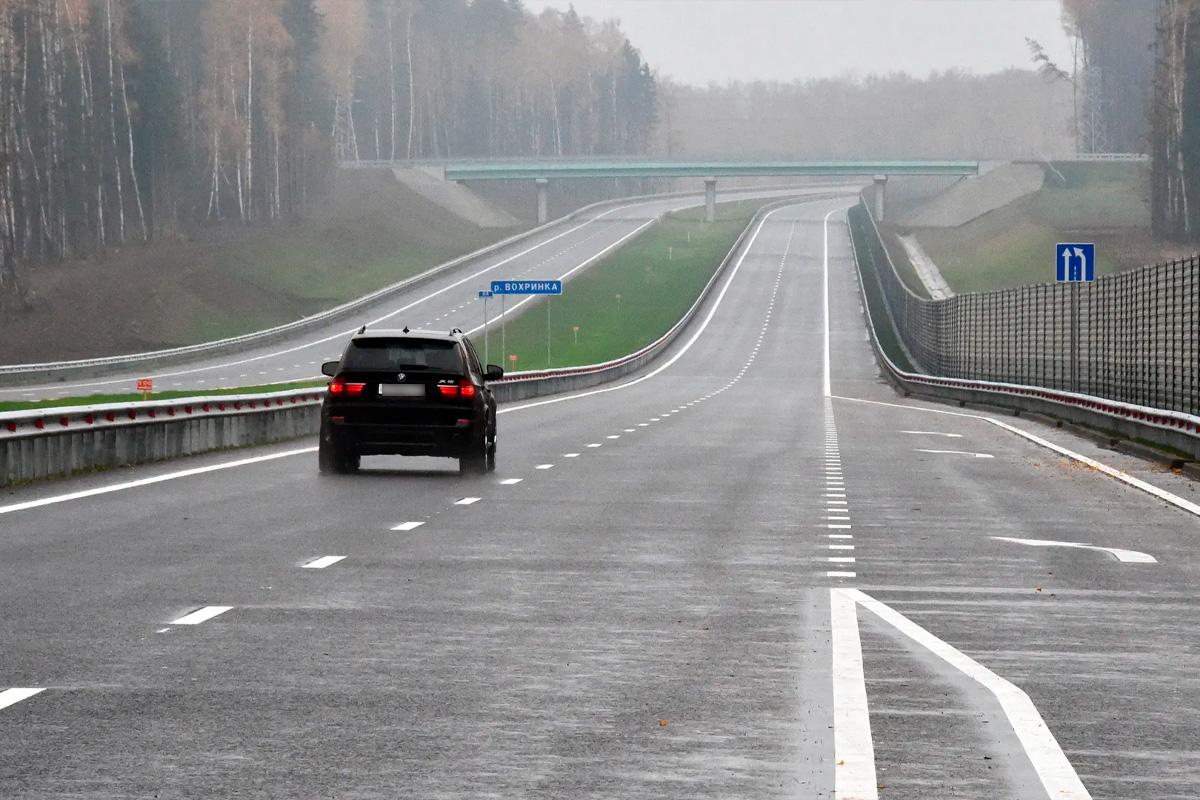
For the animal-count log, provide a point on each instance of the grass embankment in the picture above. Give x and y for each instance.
(880, 318)
(658, 276)
(130, 397)
(1014, 245)
(229, 279)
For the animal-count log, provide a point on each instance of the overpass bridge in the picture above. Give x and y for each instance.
(541, 172)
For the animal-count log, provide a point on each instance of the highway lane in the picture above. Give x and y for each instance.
(447, 302)
(648, 615)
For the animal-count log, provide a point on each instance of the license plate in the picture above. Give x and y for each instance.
(401, 390)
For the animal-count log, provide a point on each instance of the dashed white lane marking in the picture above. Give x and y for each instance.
(956, 453)
(201, 615)
(544, 466)
(570, 455)
(934, 433)
(322, 562)
(595, 444)
(840, 535)
(630, 430)
(1058, 777)
(840, 546)
(643, 424)
(407, 526)
(853, 749)
(615, 436)
(511, 481)
(836, 573)
(15, 695)
(1112, 472)
(170, 476)
(1128, 556)
(841, 559)
(466, 501)
(837, 526)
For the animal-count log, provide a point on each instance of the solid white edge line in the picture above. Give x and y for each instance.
(322, 562)
(1058, 777)
(1112, 472)
(853, 749)
(825, 380)
(201, 615)
(170, 476)
(15, 695)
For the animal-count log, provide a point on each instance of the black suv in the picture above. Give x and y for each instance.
(412, 393)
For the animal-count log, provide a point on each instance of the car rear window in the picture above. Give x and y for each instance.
(402, 354)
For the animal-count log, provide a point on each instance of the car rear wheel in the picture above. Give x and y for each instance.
(476, 461)
(336, 460)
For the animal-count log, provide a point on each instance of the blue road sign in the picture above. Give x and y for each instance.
(1075, 262)
(526, 287)
(484, 294)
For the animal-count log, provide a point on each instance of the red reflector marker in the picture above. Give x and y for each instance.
(12, 427)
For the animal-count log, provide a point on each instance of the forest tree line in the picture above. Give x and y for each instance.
(126, 120)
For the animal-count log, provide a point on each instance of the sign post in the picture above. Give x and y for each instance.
(1075, 263)
(485, 296)
(546, 287)
(575, 330)
(145, 386)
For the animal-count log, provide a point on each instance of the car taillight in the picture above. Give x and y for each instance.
(464, 389)
(339, 386)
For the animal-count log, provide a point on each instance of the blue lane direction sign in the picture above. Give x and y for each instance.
(484, 294)
(1075, 262)
(526, 287)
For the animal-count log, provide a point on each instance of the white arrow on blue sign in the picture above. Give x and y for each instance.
(526, 287)
(1075, 262)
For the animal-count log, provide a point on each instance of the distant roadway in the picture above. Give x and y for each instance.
(446, 302)
(752, 571)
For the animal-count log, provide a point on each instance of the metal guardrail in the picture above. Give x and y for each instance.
(63, 419)
(1131, 338)
(1177, 429)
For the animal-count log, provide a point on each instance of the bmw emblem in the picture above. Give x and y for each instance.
(400, 377)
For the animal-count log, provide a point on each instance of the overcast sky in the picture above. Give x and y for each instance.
(698, 41)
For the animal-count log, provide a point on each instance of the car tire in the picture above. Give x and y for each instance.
(335, 460)
(490, 458)
(474, 462)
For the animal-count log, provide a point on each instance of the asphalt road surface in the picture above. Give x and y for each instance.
(450, 301)
(753, 571)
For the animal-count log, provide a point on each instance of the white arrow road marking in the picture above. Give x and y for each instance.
(956, 453)
(1058, 777)
(853, 750)
(201, 615)
(934, 433)
(322, 562)
(13, 696)
(1128, 556)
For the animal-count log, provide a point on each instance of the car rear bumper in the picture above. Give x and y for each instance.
(405, 440)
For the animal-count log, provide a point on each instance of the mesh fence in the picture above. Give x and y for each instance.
(1132, 337)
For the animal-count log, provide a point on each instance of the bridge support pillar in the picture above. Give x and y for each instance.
(543, 206)
(880, 192)
(710, 199)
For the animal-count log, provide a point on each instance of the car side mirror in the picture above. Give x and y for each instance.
(493, 373)
(330, 368)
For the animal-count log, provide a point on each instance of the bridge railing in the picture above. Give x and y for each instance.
(1133, 337)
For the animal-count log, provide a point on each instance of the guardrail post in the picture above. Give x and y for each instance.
(710, 199)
